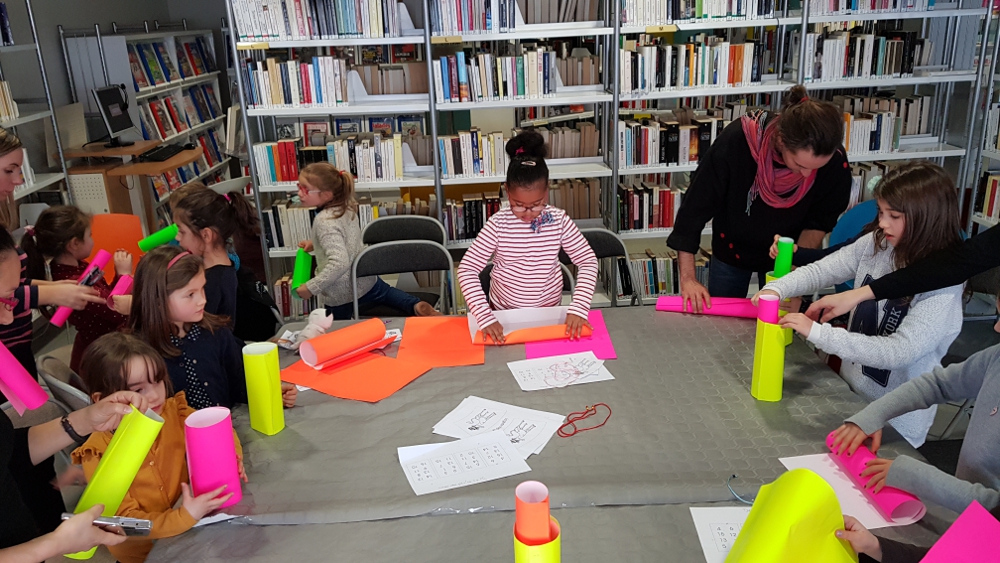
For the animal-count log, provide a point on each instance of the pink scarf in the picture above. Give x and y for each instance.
(779, 188)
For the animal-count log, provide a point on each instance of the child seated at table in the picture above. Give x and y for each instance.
(890, 342)
(119, 362)
(524, 239)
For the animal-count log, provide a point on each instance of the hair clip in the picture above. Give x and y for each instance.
(227, 198)
(29, 230)
(804, 99)
(527, 162)
(176, 258)
(519, 150)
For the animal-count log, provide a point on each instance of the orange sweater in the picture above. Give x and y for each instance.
(156, 489)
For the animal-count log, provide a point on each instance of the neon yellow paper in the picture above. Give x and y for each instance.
(768, 278)
(549, 552)
(263, 373)
(792, 520)
(118, 466)
(768, 362)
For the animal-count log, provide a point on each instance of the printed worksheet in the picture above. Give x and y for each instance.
(527, 430)
(559, 371)
(462, 463)
(718, 528)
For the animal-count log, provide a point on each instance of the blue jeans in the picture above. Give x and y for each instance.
(380, 294)
(729, 281)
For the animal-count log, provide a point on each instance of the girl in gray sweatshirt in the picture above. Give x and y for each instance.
(890, 342)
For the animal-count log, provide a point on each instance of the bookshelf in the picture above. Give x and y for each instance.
(981, 166)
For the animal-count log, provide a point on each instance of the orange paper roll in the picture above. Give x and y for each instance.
(531, 517)
(539, 334)
(342, 345)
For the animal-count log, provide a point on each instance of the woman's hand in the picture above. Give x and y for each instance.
(833, 306)
(574, 326)
(288, 394)
(68, 295)
(849, 436)
(80, 534)
(695, 296)
(242, 471)
(756, 297)
(494, 331)
(773, 253)
(123, 262)
(106, 414)
(878, 470)
(123, 304)
(306, 245)
(861, 540)
(797, 322)
(303, 292)
(202, 505)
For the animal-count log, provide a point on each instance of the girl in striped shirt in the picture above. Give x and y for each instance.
(524, 240)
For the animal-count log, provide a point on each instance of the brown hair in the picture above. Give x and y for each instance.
(55, 228)
(527, 166)
(8, 142)
(925, 194)
(104, 367)
(807, 123)
(154, 282)
(326, 177)
(202, 208)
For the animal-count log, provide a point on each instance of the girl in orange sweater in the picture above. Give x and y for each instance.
(119, 362)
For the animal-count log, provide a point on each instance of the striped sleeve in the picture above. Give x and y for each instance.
(473, 262)
(583, 257)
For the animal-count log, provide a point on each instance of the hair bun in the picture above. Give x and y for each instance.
(794, 96)
(527, 144)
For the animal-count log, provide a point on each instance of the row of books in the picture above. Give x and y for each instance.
(647, 205)
(580, 198)
(711, 62)
(370, 158)
(655, 12)
(5, 33)
(993, 127)
(8, 107)
(914, 111)
(464, 218)
(579, 71)
(464, 78)
(317, 131)
(450, 17)
(987, 201)
(662, 142)
(849, 55)
(292, 307)
(370, 210)
(320, 83)
(277, 162)
(287, 223)
(472, 154)
(169, 181)
(399, 78)
(160, 118)
(656, 273)
(284, 20)
(151, 64)
(862, 174)
(581, 140)
(831, 7)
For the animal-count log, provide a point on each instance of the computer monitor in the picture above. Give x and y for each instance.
(113, 105)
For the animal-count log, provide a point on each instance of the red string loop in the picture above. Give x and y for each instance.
(575, 417)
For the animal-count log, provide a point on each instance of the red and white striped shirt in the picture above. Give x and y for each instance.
(526, 269)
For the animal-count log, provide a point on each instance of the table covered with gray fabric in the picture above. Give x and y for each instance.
(683, 422)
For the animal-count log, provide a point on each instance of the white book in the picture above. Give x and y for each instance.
(438, 83)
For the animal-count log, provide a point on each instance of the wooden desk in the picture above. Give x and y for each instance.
(98, 150)
(153, 168)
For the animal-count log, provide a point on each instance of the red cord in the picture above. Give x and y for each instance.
(575, 417)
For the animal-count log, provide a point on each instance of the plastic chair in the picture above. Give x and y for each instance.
(64, 384)
(399, 257)
(849, 225)
(112, 231)
(607, 244)
(408, 227)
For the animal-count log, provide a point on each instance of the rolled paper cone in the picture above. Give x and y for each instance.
(123, 287)
(894, 504)
(118, 466)
(531, 516)
(101, 260)
(550, 552)
(343, 344)
(767, 308)
(163, 236)
(211, 453)
(768, 362)
(769, 277)
(783, 262)
(303, 269)
(20, 388)
(263, 373)
(721, 306)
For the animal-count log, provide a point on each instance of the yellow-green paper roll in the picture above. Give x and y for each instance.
(768, 362)
(118, 466)
(260, 361)
(769, 277)
(550, 552)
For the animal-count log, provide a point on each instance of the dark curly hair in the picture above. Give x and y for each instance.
(527, 152)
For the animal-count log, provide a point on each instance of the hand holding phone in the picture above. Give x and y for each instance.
(119, 524)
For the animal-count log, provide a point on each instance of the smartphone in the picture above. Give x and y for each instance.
(117, 524)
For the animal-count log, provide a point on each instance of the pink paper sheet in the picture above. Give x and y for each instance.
(893, 503)
(968, 540)
(599, 343)
(211, 453)
(721, 306)
(22, 390)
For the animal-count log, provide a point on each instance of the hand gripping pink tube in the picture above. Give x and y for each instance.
(211, 453)
(88, 278)
(123, 287)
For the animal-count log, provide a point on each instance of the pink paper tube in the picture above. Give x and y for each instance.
(22, 390)
(893, 504)
(123, 287)
(721, 306)
(101, 260)
(211, 453)
(768, 307)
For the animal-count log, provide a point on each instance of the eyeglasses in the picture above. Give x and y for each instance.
(9, 304)
(304, 190)
(534, 209)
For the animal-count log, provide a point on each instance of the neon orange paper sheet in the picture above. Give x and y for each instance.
(538, 334)
(341, 345)
(439, 342)
(370, 377)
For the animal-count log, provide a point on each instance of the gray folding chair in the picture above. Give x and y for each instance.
(403, 227)
(399, 257)
(485, 278)
(73, 398)
(607, 244)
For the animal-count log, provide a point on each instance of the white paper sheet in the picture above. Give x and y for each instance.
(527, 429)
(853, 502)
(559, 371)
(718, 527)
(394, 332)
(463, 463)
(407, 453)
(517, 319)
(220, 517)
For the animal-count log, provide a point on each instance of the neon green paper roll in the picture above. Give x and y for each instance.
(769, 277)
(118, 466)
(783, 263)
(163, 236)
(550, 552)
(263, 373)
(768, 362)
(303, 269)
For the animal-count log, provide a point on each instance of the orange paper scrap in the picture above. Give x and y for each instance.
(530, 324)
(531, 513)
(439, 342)
(342, 345)
(539, 334)
(369, 377)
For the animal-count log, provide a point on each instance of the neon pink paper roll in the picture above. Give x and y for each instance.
(101, 260)
(894, 504)
(768, 307)
(211, 453)
(721, 306)
(123, 287)
(22, 390)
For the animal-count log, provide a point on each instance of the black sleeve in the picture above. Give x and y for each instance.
(897, 552)
(835, 194)
(806, 256)
(213, 292)
(231, 355)
(944, 268)
(707, 192)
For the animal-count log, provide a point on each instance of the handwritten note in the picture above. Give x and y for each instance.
(559, 371)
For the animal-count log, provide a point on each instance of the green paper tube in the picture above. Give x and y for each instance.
(118, 466)
(263, 373)
(783, 263)
(163, 236)
(303, 269)
(768, 278)
(768, 362)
